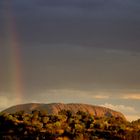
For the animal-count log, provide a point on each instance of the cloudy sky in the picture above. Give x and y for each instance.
(84, 51)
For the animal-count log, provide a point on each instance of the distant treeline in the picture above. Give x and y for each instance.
(65, 126)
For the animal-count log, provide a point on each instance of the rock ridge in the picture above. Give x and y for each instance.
(54, 108)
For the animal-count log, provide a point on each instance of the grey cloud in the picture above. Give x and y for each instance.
(71, 66)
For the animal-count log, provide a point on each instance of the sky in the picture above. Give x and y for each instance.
(71, 51)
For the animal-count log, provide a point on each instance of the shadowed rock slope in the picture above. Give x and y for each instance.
(54, 108)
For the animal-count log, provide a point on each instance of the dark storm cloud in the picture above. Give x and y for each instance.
(94, 23)
(60, 41)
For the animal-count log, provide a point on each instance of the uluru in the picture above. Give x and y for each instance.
(54, 108)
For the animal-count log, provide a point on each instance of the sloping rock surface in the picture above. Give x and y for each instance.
(54, 108)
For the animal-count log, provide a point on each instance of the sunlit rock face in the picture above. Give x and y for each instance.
(54, 108)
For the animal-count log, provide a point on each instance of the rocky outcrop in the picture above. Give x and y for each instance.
(54, 108)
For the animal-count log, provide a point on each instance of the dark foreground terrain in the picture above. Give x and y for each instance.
(39, 125)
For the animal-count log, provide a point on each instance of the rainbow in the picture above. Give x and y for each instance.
(14, 56)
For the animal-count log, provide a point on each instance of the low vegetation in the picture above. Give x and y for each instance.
(39, 125)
